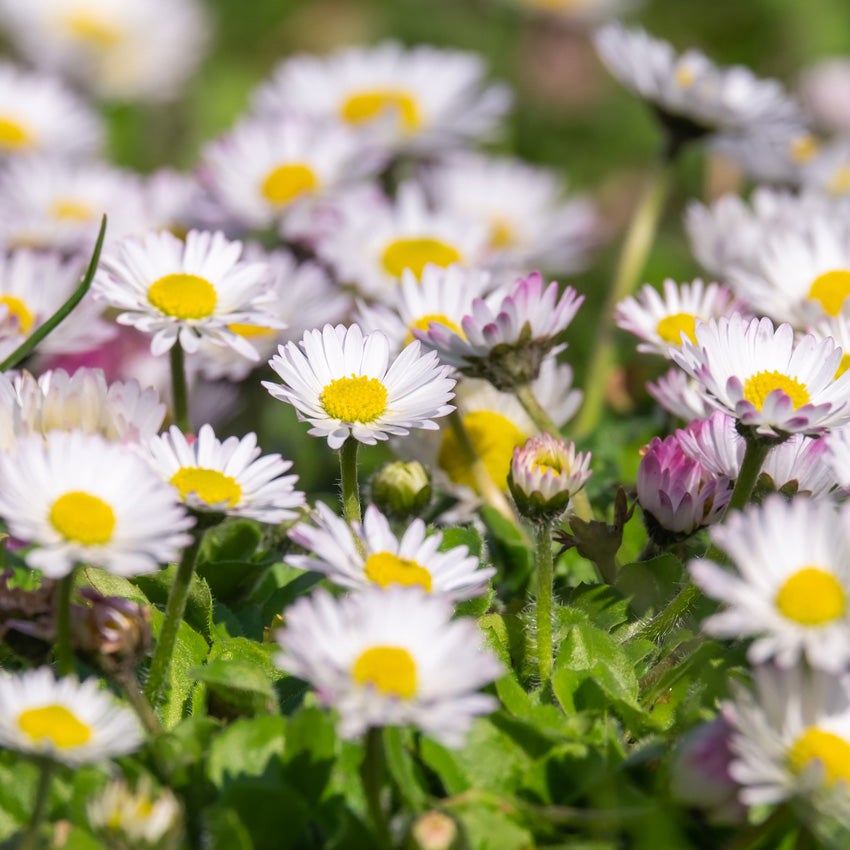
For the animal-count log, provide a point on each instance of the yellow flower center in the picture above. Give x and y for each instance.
(83, 518)
(501, 234)
(416, 253)
(818, 745)
(759, 386)
(547, 463)
(843, 366)
(69, 209)
(385, 568)
(830, 290)
(685, 76)
(18, 312)
(812, 597)
(803, 149)
(87, 26)
(423, 322)
(389, 669)
(671, 328)
(183, 296)
(13, 135)
(55, 724)
(368, 105)
(286, 182)
(354, 399)
(209, 485)
(839, 184)
(494, 438)
(249, 331)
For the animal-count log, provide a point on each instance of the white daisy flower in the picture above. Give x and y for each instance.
(344, 385)
(370, 554)
(791, 738)
(139, 816)
(531, 220)
(39, 114)
(173, 201)
(824, 90)
(226, 477)
(185, 290)
(81, 499)
(792, 585)
(65, 720)
(680, 395)
(372, 251)
(263, 170)
(660, 320)
(829, 171)
(121, 49)
(691, 86)
(418, 98)
(390, 657)
(764, 378)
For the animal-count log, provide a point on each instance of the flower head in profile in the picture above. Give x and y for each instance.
(64, 720)
(228, 476)
(344, 385)
(371, 555)
(791, 586)
(392, 657)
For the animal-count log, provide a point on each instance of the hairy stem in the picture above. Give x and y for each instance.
(179, 388)
(544, 564)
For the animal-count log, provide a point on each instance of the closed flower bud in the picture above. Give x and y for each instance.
(114, 630)
(434, 831)
(402, 489)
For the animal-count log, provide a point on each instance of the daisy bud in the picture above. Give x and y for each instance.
(115, 630)
(545, 474)
(433, 831)
(402, 489)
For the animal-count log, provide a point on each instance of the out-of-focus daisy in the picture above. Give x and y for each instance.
(824, 91)
(680, 395)
(419, 98)
(506, 341)
(119, 48)
(33, 286)
(660, 320)
(63, 719)
(226, 477)
(139, 816)
(372, 251)
(344, 384)
(829, 171)
(531, 220)
(264, 169)
(185, 290)
(792, 586)
(173, 201)
(80, 499)
(390, 657)
(690, 86)
(791, 738)
(383, 559)
(764, 378)
(38, 114)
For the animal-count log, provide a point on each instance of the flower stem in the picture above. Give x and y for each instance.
(544, 564)
(174, 610)
(64, 652)
(636, 247)
(349, 485)
(754, 457)
(126, 680)
(179, 389)
(372, 777)
(537, 414)
(39, 810)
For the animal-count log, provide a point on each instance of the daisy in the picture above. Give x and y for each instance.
(263, 170)
(39, 114)
(139, 816)
(372, 251)
(344, 385)
(118, 48)
(764, 378)
(65, 720)
(791, 586)
(81, 499)
(226, 477)
(829, 171)
(186, 291)
(370, 554)
(530, 219)
(691, 86)
(791, 737)
(390, 657)
(661, 320)
(173, 201)
(680, 395)
(418, 98)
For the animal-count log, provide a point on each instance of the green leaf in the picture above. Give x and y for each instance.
(649, 585)
(109, 585)
(397, 745)
(232, 540)
(249, 748)
(18, 778)
(222, 830)
(274, 817)
(299, 583)
(199, 603)
(182, 750)
(476, 607)
(487, 826)
(603, 605)
(508, 547)
(444, 763)
(463, 536)
(310, 752)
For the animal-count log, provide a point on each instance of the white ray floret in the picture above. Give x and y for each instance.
(139, 816)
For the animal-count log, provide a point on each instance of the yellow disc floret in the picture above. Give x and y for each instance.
(831, 751)
(13, 135)
(759, 386)
(286, 182)
(183, 296)
(87, 26)
(830, 290)
(56, 724)
(415, 253)
(249, 331)
(365, 106)
(385, 568)
(671, 328)
(389, 669)
(354, 399)
(18, 312)
(83, 518)
(423, 323)
(71, 209)
(209, 485)
(812, 597)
